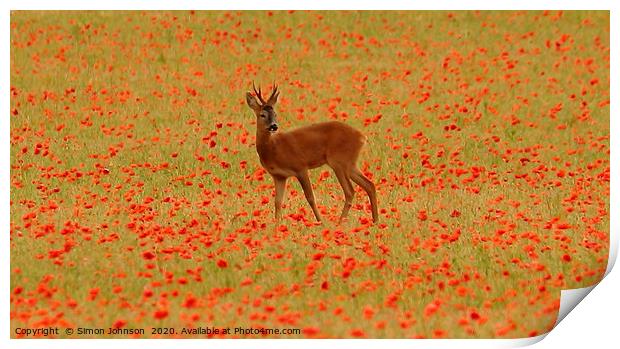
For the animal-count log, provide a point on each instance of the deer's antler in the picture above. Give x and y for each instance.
(274, 94)
(258, 93)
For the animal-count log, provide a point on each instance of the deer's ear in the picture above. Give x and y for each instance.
(252, 102)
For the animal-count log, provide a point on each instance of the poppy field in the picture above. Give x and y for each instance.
(138, 199)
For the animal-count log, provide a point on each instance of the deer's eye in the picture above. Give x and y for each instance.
(263, 115)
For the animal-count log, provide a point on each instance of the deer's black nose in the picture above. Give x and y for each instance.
(273, 127)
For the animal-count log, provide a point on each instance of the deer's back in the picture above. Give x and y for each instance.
(314, 145)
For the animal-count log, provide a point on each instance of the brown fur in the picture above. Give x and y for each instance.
(293, 153)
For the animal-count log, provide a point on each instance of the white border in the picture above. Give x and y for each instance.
(599, 326)
(311, 5)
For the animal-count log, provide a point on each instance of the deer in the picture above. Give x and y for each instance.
(294, 153)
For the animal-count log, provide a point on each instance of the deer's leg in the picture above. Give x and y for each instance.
(280, 189)
(307, 187)
(369, 188)
(347, 187)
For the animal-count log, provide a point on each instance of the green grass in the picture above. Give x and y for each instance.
(133, 74)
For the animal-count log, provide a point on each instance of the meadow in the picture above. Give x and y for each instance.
(138, 200)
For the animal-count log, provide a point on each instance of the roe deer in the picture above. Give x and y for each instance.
(293, 153)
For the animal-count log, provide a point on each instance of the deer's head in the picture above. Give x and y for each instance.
(265, 114)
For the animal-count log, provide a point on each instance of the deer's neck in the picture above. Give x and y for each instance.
(263, 144)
